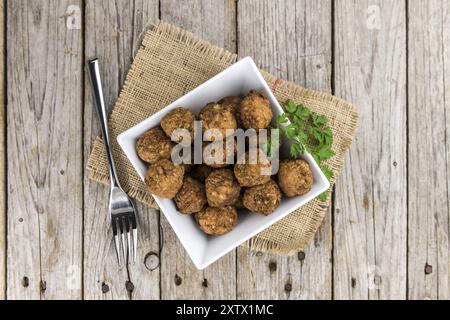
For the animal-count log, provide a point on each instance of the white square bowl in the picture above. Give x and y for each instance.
(236, 80)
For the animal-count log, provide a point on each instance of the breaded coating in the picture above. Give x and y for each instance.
(178, 118)
(233, 104)
(264, 198)
(192, 197)
(164, 178)
(154, 145)
(249, 175)
(214, 116)
(255, 111)
(217, 221)
(222, 189)
(295, 177)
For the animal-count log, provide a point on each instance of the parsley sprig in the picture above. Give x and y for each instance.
(307, 131)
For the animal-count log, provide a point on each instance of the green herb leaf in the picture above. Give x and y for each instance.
(281, 119)
(325, 153)
(317, 134)
(296, 150)
(327, 136)
(315, 158)
(303, 138)
(314, 118)
(327, 132)
(323, 196)
(290, 131)
(302, 112)
(327, 171)
(290, 106)
(307, 132)
(321, 121)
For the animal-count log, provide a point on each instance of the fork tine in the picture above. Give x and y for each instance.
(129, 253)
(134, 245)
(122, 235)
(116, 241)
(134, 229)
(118, 253)
(127, 228)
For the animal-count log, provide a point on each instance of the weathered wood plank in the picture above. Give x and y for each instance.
(45, 150)
(113, 30)
(370, 221)
(428, 152)
(290, 39)
(2, 156)
(213, 21)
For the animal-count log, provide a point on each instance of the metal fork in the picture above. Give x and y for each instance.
(121, 208)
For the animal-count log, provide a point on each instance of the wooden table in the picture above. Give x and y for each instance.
(387, 233)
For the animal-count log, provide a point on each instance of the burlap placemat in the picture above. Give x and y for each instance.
(172, 62)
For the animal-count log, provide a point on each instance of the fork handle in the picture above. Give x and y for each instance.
(101, 111)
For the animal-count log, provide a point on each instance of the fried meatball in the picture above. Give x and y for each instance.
(178, 118)
(164, 178)
(249, 175)
(263, 199)
(214, 116)
(201, 172)
(226, 148)
(154, 145)
(222, 189)
(255, 111)
(217, 221)
(192, 197)
(233, 104)
(295, 177)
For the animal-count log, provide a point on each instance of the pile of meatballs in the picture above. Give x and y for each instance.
(215, 192)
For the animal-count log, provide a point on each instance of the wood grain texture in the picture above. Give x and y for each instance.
(391, 219)
(45, 151)
(210, 20)
(2, 155)
(290, 39)
(370, 221)
(213, 21)
(428, 156)
(113, 31)
(180, 279)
